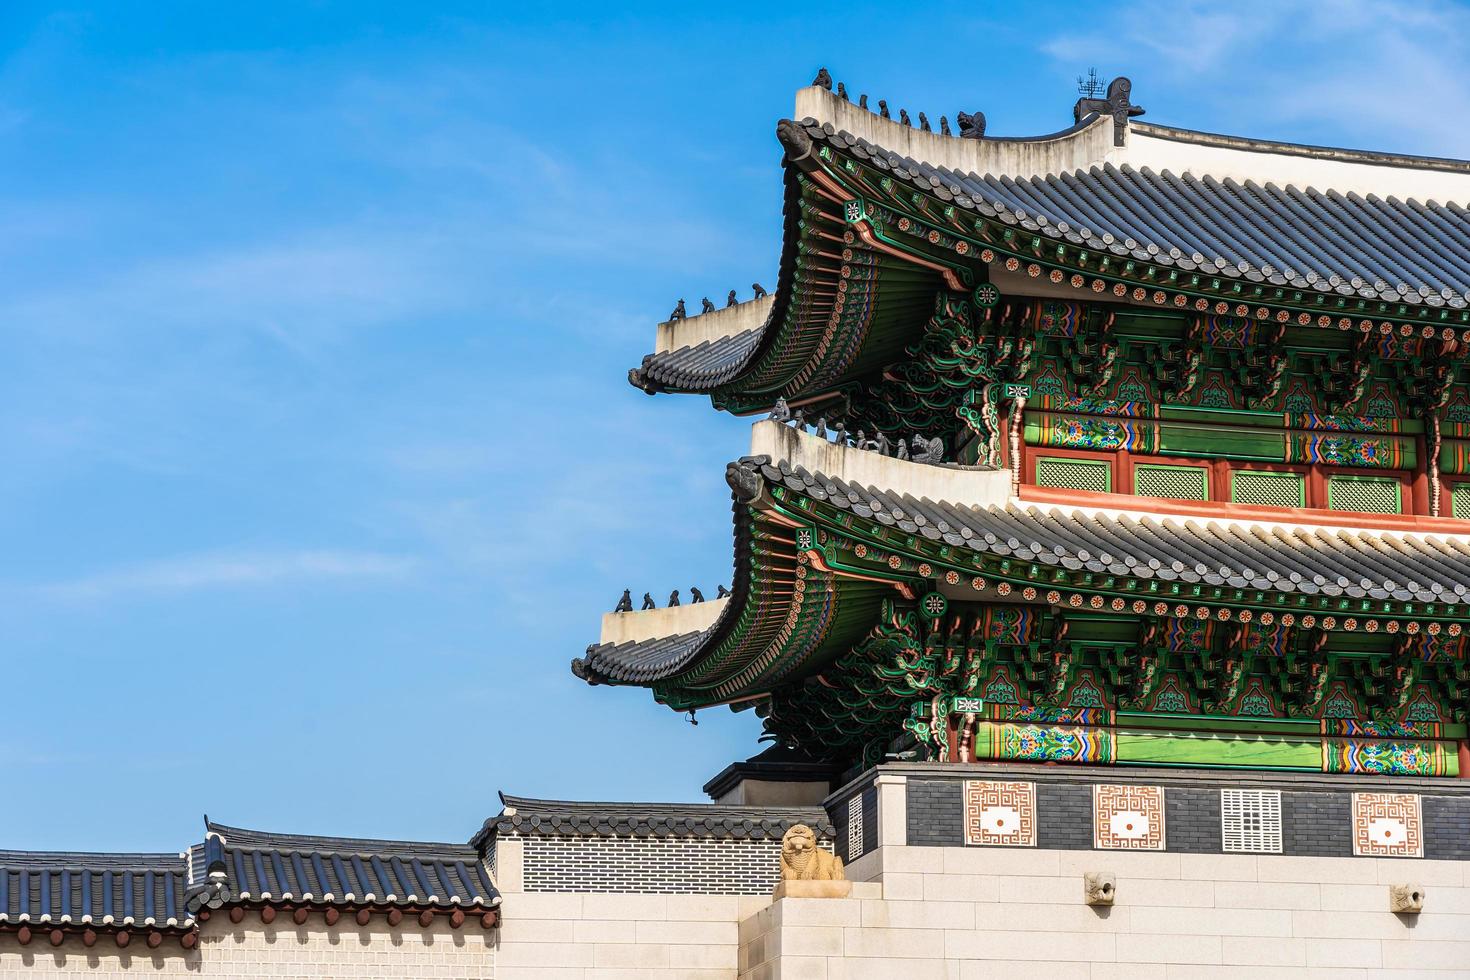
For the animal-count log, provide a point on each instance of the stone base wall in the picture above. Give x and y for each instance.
(281, 949)
(623, 937)
(947, 913)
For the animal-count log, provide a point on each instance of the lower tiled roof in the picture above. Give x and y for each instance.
(560, 818)
(236, 865)
(63, 888)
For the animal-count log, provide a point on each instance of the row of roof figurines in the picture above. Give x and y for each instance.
(930, 451)
(972, 126)
(680, 313)
(625, 604)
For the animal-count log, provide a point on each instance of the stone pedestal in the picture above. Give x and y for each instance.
(813, 889)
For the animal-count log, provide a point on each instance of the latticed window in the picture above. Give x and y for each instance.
(1250, 820)
(1369, 494)
(1460, 501)
(1074, 474)
(1268, 488)
(1178, 482)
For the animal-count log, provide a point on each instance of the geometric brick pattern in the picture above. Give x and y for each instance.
(1000, 814)
(652, 865)
(1128, 818)
(1387, 825)
(855, 826)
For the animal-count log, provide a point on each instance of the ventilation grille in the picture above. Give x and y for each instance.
(1263, 488)
(1364, 493)
(1250, 820)
(855, 827)
(1073, 474)
(1460, 501)
(1178, 482)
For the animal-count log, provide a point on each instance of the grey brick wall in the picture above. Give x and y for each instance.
(1192, 820)
(1446, 828)
(1317, 824)
(1064, 815)
(870, 818)
(936, 812)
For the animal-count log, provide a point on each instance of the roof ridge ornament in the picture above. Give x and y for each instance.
(1118, 104)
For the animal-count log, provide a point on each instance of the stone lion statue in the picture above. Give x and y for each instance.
(803, 860)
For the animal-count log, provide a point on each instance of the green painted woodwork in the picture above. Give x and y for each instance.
(1213, 749)
(1179, 439)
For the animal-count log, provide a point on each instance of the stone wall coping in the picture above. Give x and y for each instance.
(1143, 775)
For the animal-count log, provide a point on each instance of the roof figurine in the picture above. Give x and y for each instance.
(625, 604)
(721, 592)
(695, 595)
(972, 125)
(679, 312)
(842, 92)
(944, 126)
(930, 451)
(673, 598)
(648, 602)
(780, 412)
(903, 118)
(1118, 104)
(730, 300)
(823, 79)
(760, 292)
(706, 305)
(883, 108)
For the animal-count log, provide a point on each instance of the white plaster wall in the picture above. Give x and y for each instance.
(281, 949)
(1145, 146)
(725, 321)
(1026, 158)
(977, 488)
(648, 624)
(967, 913)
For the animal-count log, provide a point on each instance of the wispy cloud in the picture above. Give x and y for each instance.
(1387, 70)
(222, 570)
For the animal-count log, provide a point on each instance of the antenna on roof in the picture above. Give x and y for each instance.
(1092, 85)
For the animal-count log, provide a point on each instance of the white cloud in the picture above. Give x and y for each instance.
(1378, 75)
(224, 570)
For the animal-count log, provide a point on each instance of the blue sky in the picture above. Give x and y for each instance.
(320, 461)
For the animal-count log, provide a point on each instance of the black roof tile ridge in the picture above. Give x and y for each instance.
(242, 839)
(527, 805)
(90, 859)
(901, 166)
(1379, 158)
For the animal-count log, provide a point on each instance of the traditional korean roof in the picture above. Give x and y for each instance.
(859, 536)
(258, 867)
(78, 889)
(879, 217)
(560, 818)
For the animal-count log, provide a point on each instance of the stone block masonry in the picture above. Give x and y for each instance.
(948, 912)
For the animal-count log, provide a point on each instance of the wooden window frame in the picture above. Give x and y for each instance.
(1322, 473)
(1303, 471)
(1177, 463)
(1030, 459)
